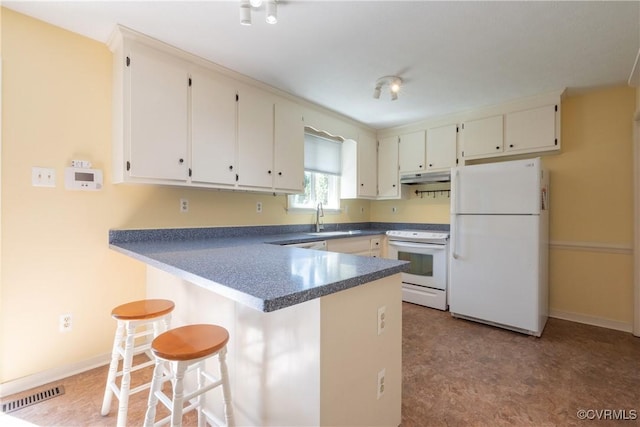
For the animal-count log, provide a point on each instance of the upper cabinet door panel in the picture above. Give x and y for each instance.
(412, 152)
(159, 115)
(482, 137)
(213, 129)
(288, 146)
(531, 130)
(441, 147)
(255, 138)
(388, 177)
(367, 170)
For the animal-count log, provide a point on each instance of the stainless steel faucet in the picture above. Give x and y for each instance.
(319, 213)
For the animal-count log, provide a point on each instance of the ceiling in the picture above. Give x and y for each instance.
(453, 56)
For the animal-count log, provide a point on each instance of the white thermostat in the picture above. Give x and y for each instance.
(82, 179)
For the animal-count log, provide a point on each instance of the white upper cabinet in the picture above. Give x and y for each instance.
(441, 147)
(288, 147)
(359, 168)
(482, 137)
(367, 166)
(213, 129)
(255, 138)
(531, 130)
(412, 152)
(388, 176)
(156, 114)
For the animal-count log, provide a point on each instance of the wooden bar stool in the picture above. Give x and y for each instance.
(155, 316)
(183, 349)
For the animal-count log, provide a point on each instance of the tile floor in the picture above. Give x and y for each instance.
(455, 373)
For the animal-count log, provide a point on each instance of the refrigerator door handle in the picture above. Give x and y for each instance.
(454, 237)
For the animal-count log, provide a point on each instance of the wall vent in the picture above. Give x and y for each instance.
(14, 405)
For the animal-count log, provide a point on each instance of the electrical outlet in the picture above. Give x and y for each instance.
(43, 177)
(65, 322)
(259, 207)
(184, 205)
(380, 383)
(382, 319)
(394, 209)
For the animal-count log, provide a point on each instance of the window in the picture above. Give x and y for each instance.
(322, 168)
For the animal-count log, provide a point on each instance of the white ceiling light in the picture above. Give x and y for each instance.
(272, 12)
(245, 10)
(394, 83)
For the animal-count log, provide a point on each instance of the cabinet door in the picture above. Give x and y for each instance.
(388, 177)
(255, 138)
(531, 130)
(441, 147)
(288, 147)
(482, 138)
(213, 129)
(159, 86)
(412, 152)
(367, 170)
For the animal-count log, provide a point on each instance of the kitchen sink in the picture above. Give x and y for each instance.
(336, 233)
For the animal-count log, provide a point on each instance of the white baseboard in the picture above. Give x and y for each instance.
(591, 320)
(41, 378)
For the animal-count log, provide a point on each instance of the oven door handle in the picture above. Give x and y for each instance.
(416, 245)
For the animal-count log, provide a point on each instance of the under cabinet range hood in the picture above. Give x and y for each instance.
(425, 177)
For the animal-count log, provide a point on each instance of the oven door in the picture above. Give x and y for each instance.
(428, 263)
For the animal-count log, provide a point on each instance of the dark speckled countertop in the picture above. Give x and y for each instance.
(249, 265)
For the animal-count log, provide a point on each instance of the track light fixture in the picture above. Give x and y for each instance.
(394, 83)
(245, 10)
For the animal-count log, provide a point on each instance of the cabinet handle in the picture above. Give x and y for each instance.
(498, 147)
(279, 173)
(394, 186)
(361, 185)
(231, 167)
(269, 172)
(420, 166)
(510, 145)
(430, 165)
(181, 161)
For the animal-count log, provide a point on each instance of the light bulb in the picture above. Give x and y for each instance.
(395, 87)
(272, 12)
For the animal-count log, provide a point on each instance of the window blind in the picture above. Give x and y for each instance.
(322, 155)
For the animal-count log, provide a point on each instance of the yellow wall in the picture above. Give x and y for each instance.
(416, 208)
(592, 203)
(55, 258)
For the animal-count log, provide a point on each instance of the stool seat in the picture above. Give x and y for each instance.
(181, 350)
(143, 309)
(189, 342)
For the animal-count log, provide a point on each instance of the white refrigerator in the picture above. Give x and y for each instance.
(499, 244)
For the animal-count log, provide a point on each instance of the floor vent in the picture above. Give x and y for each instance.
(14, 405)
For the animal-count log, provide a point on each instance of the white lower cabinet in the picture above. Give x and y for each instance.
(364, 245)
